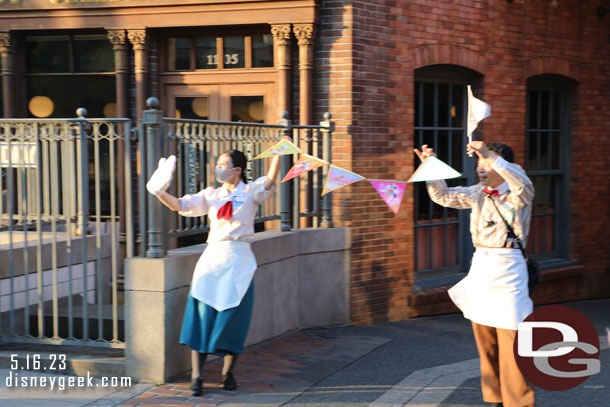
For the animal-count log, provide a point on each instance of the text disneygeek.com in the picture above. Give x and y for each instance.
(53, 363)
(14, 380)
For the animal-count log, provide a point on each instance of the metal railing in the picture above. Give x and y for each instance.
(198, 143)
(68, 210)
(58, 269)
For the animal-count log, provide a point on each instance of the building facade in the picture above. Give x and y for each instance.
(393, 74)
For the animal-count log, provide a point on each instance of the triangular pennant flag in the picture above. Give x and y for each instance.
(477, 111)
(305, 163)
(391, 192)
(282, 148)
(338, 177)
(433, 169)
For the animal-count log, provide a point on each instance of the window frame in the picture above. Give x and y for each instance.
(434, 277)
(23, 80)
(219, 35)
(71, 53)
(553, 83)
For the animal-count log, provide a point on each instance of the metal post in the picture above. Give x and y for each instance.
(152, 119)
(327, 131)
(286, 209)
(83, 128)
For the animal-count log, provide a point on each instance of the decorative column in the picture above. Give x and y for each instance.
(138, 40)
(118, 39)
(281, 45)
(7, 53)
(305, 36)
(281, 37)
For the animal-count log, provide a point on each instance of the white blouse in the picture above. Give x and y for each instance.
(246, 198)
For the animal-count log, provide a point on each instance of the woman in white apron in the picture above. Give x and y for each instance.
(219, 306)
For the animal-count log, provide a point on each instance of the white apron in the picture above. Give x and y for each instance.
(223, 274)
(494, 293)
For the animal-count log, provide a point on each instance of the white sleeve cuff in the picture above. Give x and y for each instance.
(499, 163)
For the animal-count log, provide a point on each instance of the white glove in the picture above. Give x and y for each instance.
(162, 177)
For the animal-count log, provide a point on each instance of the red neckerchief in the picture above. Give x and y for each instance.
(225, 211)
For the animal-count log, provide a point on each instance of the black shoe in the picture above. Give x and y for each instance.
(197, 387)
(497, 405)
(229, 381)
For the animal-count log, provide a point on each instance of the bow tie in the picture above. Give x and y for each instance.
(492, 192)
(225, 211)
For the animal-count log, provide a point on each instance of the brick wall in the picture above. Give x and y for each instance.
(365, 59)
(333, 89)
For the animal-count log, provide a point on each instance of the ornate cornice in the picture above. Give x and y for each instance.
(281, 33)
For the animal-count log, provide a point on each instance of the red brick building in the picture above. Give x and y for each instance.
(391, 71)
(393, 74)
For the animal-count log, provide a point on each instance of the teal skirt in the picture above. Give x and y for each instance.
(219, 332)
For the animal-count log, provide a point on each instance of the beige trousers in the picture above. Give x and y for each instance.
(501, 379)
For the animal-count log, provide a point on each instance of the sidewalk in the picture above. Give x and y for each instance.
(429, 361)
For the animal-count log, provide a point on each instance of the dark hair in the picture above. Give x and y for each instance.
(239, 160)
(502, 150)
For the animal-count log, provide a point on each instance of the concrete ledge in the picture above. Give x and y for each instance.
(302, 281)
(61, 251)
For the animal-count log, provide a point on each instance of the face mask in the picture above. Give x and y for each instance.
(222, 175)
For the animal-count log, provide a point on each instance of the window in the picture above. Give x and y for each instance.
(65, 72)
(442, 242)
(546, 147)
(250, 109)
(192, 108)
(204, 52)
(69, 54)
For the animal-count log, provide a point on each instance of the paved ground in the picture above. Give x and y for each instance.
(428, 362)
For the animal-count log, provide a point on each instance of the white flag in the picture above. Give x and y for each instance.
(433, 169)
(477, 111)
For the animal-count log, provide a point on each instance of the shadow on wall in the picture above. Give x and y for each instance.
(370, 288)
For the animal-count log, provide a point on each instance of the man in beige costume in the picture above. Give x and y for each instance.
(494, 294)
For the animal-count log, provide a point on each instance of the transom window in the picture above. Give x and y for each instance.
(220, 52)
(83, 53)
(547, 134)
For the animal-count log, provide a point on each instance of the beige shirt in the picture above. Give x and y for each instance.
(486, 225)
(246, 198)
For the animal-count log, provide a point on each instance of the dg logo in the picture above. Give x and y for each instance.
(557, 348)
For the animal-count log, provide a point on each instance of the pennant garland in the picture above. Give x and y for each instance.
(477, 111)
(284, 147)
(338, 177)
(433, 169)
(390, 191)
(305, 163)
